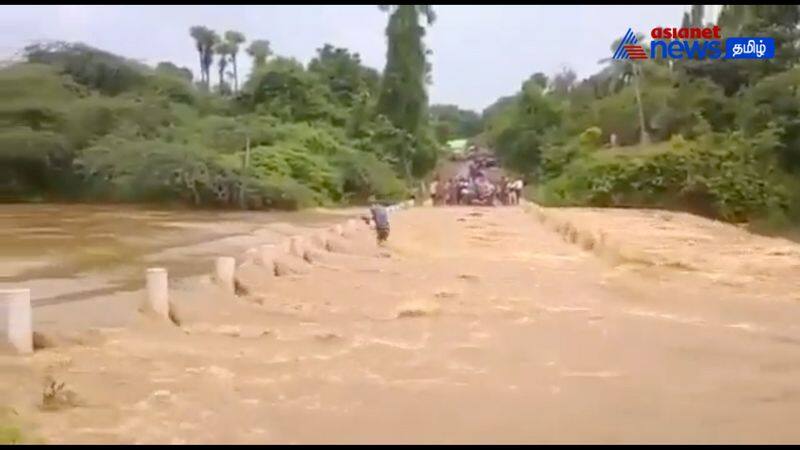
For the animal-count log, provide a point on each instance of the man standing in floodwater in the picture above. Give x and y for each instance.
(434, 191)
(381, 219)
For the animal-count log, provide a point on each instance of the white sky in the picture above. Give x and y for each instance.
(480, 52)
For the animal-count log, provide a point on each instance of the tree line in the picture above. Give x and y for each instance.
(715, 137)
(80, 123)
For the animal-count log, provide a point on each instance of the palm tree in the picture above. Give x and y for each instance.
(259, 50)
(234, 39)
(619, 73)
(205, 39)
(197, 33)
(224, 50)
(402, 98)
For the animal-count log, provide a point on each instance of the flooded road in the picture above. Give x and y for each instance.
(474, 325)
(67, 253)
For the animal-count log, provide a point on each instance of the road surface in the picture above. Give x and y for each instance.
(474, 325)
(84, 263)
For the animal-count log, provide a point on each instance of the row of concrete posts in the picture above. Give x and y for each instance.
(16, 316)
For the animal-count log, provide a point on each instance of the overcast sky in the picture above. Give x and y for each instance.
(479, 52)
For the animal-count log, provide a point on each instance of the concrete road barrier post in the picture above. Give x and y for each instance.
(16, 321)
(157, 298)
(225, 270)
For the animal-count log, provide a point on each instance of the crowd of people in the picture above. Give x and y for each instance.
(475, 189)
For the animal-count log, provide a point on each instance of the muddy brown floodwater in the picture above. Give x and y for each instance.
(91, 254)
(473, 325)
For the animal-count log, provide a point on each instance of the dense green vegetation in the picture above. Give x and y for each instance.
(715, 137)
(450, 122)
(79, 123)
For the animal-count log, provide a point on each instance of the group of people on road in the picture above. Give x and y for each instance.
(475, 189)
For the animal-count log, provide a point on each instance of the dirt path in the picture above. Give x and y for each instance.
(475, 326)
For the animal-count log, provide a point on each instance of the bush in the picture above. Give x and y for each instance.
(717, 176)
(108, 73)
(293, 161)
(591, 138)
(80, 121)
(363, 175)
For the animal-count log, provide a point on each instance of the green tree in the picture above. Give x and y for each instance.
(777, 21)
(344, 74)
(259, 50)
(621, 71)
(452, 122)
(540, 79)
(96, 69)
(521, 130)
(225, 51)
(285, 89)
(235, 39)
(775, 100)
(171, 69)
(205, 39)
(403, 98)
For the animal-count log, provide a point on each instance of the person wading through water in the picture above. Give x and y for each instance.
(434, 191)
(381, 219)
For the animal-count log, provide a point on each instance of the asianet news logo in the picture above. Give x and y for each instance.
(694, 43)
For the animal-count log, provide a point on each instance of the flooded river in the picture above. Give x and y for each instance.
(67, 253)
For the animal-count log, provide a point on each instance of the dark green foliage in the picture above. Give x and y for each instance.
(343, 74)
(81, 123)
(451, 122)
(718, 176)
(403, 99)
(285, 89)
(725, 133)
(96, 69)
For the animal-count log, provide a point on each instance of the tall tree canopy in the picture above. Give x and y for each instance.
(259, 50)
(205, 40)
(234, 39)
(403, 98)
(344, 74)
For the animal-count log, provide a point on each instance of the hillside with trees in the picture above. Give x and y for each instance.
(715, 137)
(81, 124)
